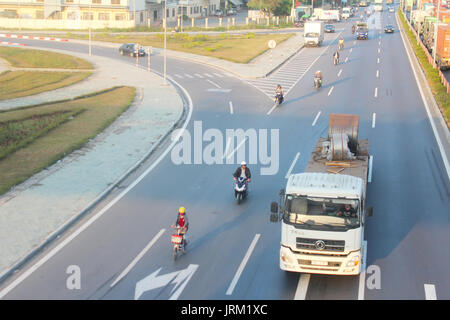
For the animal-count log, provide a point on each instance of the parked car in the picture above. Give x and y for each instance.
(329, 28)
(389, 29)
(218, 13)
(130, 49)
(231, 12)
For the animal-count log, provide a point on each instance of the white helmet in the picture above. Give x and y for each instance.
(243, 163)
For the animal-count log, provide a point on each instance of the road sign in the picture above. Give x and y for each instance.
(272, 44)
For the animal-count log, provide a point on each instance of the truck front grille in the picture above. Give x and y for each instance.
(312, 244)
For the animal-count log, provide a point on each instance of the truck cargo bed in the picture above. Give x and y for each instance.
(357, 168)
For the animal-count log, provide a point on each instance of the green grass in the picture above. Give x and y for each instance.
(236, 48)
(30, 58)
(33, 138)
(16, 84)
(439, 91)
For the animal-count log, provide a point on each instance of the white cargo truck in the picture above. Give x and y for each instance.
(346, 13)
(323, 210)
(313, 33)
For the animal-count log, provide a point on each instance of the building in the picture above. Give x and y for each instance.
(98, 14)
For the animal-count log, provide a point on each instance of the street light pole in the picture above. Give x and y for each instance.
(165, 41)
(90, 23)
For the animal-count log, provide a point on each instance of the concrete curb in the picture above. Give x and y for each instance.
(56, 234)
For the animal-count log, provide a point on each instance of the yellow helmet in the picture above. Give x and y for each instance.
(182, 210)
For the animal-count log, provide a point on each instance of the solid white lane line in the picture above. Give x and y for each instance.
(139, 256)
(374, 117)
(315, 119)
(213, 83)
(362, 275)
(302, 287)
(331, 90)
(242, 265)
(369, 178)
(231, 107)
(430, 292)
(376, 92)
(228, 145)
(56, 249)
(273, 108)
(378, 73)
(292, 165)
(339, 73)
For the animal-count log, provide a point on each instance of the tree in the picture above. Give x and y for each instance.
(283, 8)
(266, 6)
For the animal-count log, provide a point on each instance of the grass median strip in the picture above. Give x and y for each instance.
(240, 48)
(32, 139)
(439, 91)
(16, 84)
(31, 58)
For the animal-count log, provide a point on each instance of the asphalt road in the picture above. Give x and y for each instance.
(233, 250)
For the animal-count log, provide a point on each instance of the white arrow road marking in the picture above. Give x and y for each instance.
(242, 266)
(430, 292)
(302, 287)
(139, 256)
(292, 165)
(154, 281)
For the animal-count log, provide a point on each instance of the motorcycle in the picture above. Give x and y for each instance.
(179, 242)
(240, 189)
(317, 82)
(336, 60)
(279, 98)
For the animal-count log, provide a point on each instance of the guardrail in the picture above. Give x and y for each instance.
(430, 57)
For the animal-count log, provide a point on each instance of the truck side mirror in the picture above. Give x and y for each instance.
(274, 210)
(274, 207)
(369, 211)
(282, 192)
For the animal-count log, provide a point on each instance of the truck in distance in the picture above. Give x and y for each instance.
(313, 33)
(323, 210)
(362, 30)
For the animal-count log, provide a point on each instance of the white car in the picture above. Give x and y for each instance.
(391, 9)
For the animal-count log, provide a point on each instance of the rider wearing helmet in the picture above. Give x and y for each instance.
(182, 221)
(279, 91)
(243, 171)
(341, 41)
(336, 55)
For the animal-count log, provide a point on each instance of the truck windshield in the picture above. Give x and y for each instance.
(329, 214)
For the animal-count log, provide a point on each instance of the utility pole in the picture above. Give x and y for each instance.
(436, 27)
(165, 42)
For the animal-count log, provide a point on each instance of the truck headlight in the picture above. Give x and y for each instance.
(353, 262)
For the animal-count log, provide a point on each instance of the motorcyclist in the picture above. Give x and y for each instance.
(279, 91)
(341, 42)
(336, 56)
(318, 75)
(242, 171)
(182, 222)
